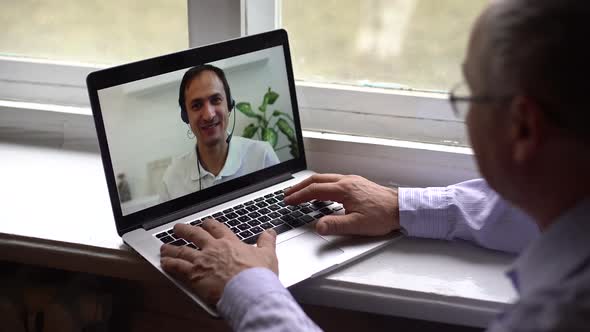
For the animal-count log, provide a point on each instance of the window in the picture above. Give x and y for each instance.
(97, 32)
(407, 44)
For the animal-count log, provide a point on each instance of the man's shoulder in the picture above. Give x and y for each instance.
(248, 143)
(564, 306)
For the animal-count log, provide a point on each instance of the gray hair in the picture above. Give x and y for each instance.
(540, 48)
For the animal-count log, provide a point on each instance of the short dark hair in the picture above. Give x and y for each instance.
(196, 71)
(540, 48)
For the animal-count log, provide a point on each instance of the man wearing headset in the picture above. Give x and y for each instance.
(205, 105)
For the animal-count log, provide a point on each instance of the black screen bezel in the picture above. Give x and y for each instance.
(126, 73)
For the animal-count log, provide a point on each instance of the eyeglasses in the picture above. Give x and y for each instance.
(461, 97)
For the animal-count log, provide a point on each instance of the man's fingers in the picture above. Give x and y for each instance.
(182, 252)
(176, 267)
(321, 191)
(268, 239)
(347, 224)
(316, 178)
(196, 235)
(217, 229)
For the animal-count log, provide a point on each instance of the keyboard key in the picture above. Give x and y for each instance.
(195, 222)
(306, 218)
(293, 207)
(287, 218)
(284, 211)
(192, 245)
(217, 215)
(282, 228)
(261, 204)
(254, 215)
(171, 232)
(161, 235)
(254, 223)
(231, 215)
(278, 192)
(234, 222)
(248, 203)
(228, 210)
(318, 215)
(207, 217)
(245, 234)
(264, 219)
(252, 239)
(179, 243)
(242, 212)
(239, 206)
(274, 207)
(259, 199)
(271, 201)
(167, 239)
(337, 208)
(296, 214)
(266, 225)
(244, 218)
(243, 227)
(306, 210)
(252, 208)
(274, 215)
(222, 219)
(280, 197)
(277, 222)
(269, 195)
(264, 211)
(282, 204)
(256, 230)
(326, 210)
(322, 203)
(296, 223)
(235, 230)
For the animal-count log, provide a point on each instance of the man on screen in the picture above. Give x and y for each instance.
(205, 105)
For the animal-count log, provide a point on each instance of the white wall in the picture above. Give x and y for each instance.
(143, 123)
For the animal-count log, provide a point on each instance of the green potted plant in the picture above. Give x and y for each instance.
(268, 125)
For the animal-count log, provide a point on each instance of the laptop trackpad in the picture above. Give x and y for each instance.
(304, 255)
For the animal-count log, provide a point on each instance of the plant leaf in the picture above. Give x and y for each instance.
(286, 129)
(246, 108)
(279, 113)
(250, 130)
(271, 136)
(271, 96)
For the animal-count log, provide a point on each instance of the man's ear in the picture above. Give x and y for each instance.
(527, 129)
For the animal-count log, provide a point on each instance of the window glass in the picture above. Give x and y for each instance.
(97, 32)
(417, 44)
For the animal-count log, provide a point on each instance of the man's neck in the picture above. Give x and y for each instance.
(213, 158)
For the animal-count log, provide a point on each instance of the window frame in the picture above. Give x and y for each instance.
(360, 111)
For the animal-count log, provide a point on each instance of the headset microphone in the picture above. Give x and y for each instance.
(228, 139)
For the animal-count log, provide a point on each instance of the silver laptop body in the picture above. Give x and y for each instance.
(135, 108)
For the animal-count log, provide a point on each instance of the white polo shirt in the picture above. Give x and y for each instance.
(244, 156)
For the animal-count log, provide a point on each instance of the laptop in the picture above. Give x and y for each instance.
(154, 170)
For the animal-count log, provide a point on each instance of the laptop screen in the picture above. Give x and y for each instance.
(192, 129)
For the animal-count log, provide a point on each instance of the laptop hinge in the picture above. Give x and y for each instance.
(215, 201)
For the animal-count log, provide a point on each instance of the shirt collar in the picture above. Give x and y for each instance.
(557, 253)
(231, 166)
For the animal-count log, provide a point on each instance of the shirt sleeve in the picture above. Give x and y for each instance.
(469, 211)
(255, 300)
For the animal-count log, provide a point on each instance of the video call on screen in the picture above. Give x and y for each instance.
(153, 151)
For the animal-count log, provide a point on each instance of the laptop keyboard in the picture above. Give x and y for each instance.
(251, 218)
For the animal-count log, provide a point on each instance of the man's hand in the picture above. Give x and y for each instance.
(371, 209)
(222, 256)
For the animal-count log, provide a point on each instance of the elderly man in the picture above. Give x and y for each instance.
(526, 112)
